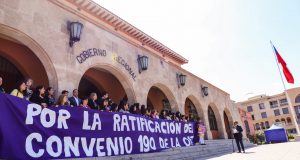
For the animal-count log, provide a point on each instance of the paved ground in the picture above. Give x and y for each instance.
(280, 151)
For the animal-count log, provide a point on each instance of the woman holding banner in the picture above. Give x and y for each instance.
(201, 131)
(19, 92)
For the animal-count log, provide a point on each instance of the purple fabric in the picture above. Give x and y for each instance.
(25, 133)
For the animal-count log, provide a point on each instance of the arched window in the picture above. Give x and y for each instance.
(212, 119)
(297, 99)
(267, 124)
(257, 126)
(288, 120)
(262, 124)
(277, 120)
(247, 126)
(283, 120)
(190, 109)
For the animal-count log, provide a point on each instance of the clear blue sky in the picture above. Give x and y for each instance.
(225, 41)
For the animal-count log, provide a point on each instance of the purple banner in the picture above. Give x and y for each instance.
(29, 131)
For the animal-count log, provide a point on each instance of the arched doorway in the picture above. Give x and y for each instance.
(18, 62)
(288, 120)
(227, 125)
(156, 99)
(27, 56)
(213, 125)
(267, 124)
(101, 80)
(262, 124)
(247, 127)
(160, 98)
(190, 110)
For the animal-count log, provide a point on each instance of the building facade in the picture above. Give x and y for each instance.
(35, 42)
(267, 110)
(247, 122)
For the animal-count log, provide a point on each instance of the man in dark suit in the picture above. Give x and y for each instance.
(74, 100)
(238, 136)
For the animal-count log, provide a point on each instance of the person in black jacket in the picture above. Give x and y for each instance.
(238, 136)
(92, 101)
(38, 96)
(1, 87)
(74, 100)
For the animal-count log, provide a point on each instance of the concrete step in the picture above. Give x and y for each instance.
(212, 148)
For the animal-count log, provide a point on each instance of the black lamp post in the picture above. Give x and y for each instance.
(75, 29)
(180, 79)
(143, 63)
(204, 90)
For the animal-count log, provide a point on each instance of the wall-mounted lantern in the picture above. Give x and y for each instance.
(204, 90)
(180, 79)
(143, 63)
(75, 29)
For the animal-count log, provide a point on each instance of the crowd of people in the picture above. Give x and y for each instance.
(46, 98)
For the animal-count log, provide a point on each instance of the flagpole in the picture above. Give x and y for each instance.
(286, 94)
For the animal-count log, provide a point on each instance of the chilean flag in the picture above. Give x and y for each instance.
(288, 75)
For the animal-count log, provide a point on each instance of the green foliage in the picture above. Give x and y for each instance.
(252, 138)
(291, 137)
(260, 138)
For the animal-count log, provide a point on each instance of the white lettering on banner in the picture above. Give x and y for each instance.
(88, 150)
(69, 145)
(85, 125)
(132, 119)
(131, 123)
(150, 127)
(128, 145)
(157, 127)
(49, 147)
(96, 122)
(142, 123)
(62, 118)
(172, 128)
(112, 145)
(29, 148)
(138, 124)
(163, 130)
(166, 143)
(100, 147)
(124, 123)
(161, 142)
(121, 145)
(188, 141)
(35, 110)
(188, 128)
(177, 142)
(32, 110)
(146, 143)
(43, 117)
(117, 120)
(178, 128)
(124, 145)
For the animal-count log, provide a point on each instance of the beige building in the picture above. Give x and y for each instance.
(39, 40)
(267, 110)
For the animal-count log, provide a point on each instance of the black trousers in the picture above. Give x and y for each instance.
(238, 143)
